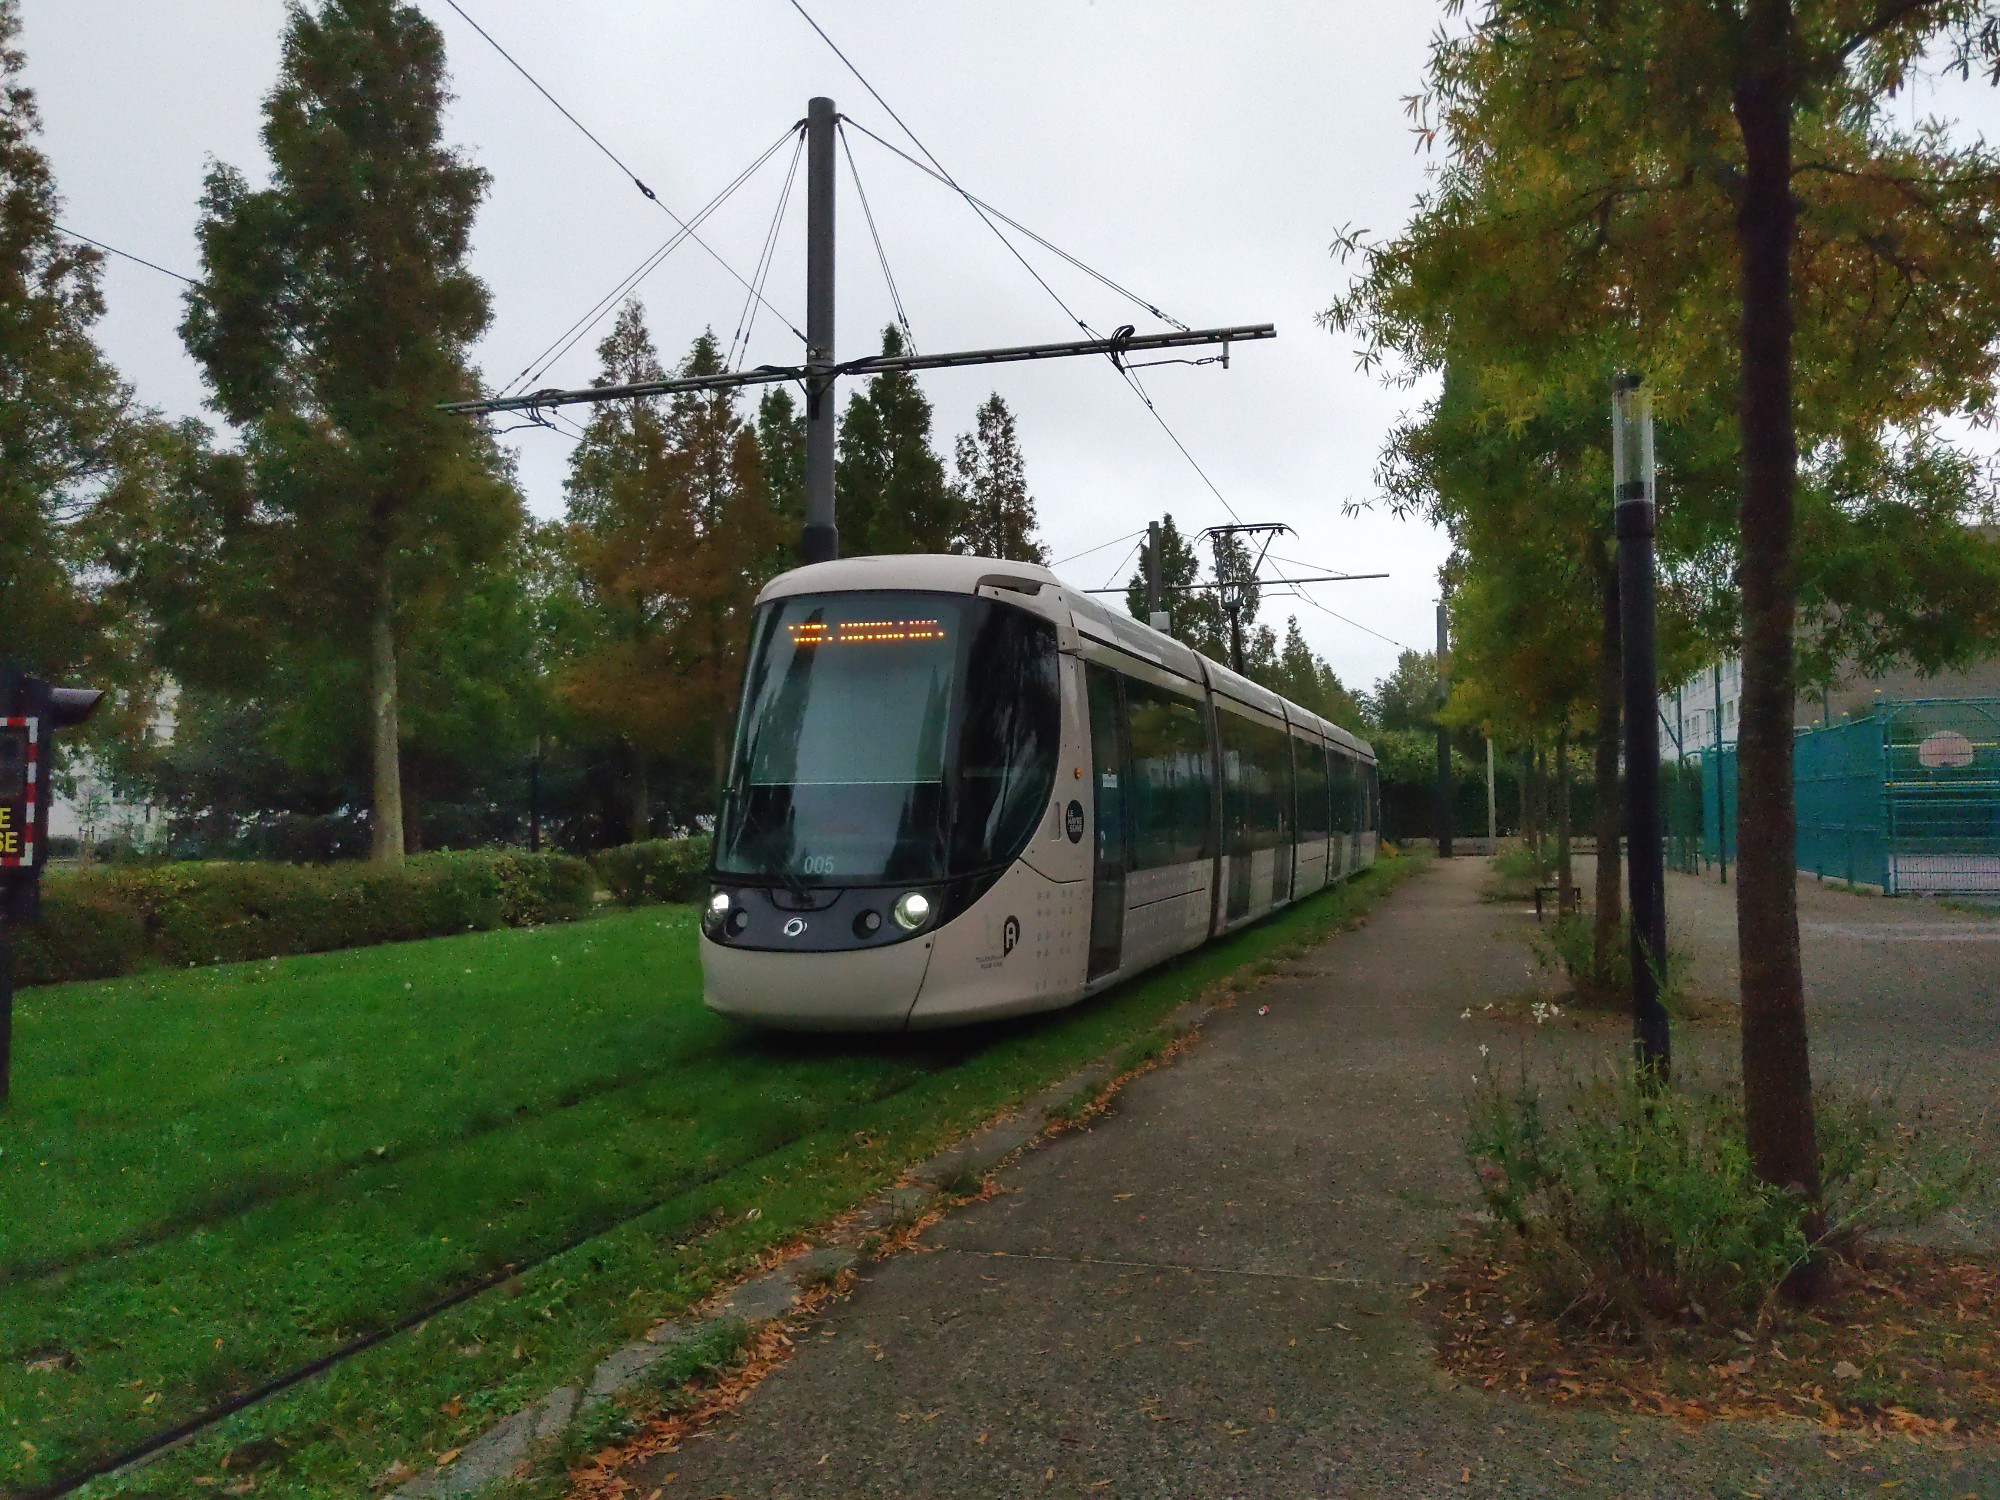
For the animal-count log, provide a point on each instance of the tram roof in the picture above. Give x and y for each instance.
(935, 572)
(950, 573)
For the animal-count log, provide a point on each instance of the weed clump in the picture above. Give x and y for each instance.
(1630, 1202)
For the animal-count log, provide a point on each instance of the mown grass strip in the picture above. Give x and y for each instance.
(785, 1150)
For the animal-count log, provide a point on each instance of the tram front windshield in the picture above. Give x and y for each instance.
(889, 738)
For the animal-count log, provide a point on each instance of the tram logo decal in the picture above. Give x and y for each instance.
(794, 927)
(1073, 822)
(1010, 935)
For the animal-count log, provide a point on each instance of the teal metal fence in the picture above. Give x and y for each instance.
(1837, 796)
(1905, 801)
(1941, 785)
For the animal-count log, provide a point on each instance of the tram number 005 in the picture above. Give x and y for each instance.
(817, 864)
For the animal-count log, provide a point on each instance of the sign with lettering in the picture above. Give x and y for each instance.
(20, 790)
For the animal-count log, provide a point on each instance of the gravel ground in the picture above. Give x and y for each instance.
(1204, 1293)
(1902, 994)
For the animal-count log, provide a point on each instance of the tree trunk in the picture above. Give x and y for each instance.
(1604, 944)
(1526, 787)
(642, 799)
(1537, 824)
(385, 821)
(1565, 876)
(413, 821)
(1777, 1072)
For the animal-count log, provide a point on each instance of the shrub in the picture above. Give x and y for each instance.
(1630, 1200)
(99, 923)
(82, 934)
(656, 870)
(1567, 945)
(538, 888)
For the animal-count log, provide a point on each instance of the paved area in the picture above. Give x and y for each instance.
(1204, 1294)
(1903, 995)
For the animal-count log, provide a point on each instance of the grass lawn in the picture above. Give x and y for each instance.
(210, 1177)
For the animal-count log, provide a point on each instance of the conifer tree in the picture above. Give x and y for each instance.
(72, 446)
(889, 484)
(781, 447)
(335, 312)
(1193, 616)
(1302, 675)
(996, 512)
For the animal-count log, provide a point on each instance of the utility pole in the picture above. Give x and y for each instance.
(535, 799)
(1721, 811)
(1632, 474)
(1492, 804)
(1444, 808)
(821, 542)
(1236, 591)
(1156, 614)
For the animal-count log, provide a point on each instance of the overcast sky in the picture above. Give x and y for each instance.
(1201, 154)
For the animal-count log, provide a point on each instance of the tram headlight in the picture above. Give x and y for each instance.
(912, 910)
(717, 912)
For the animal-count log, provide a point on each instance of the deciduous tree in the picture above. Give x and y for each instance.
(670, 530)
(1723, 195)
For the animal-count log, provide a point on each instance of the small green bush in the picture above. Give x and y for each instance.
(1630, 1200)
(82, 934)
(538, 888)
(1567, 945)
(100, 923)
(656, 870)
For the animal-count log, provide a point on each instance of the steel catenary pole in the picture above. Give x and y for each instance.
(821, 540)
(1645, 853)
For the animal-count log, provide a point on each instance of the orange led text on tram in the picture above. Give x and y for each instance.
(864, 632)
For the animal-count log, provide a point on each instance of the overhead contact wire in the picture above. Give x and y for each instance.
(124, 255)
(541, 363)
(950, 181)
(1174, 438)
(1015, 251)
(1366, 629)
(1059, 562)
(613, 157)
(1049, 245)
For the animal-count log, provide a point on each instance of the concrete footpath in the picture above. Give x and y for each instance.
(1204, 1294)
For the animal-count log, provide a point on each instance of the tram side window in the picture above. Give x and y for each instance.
(1257, 771)
(1346, 816)
(1372, 811)
(1169, 797)
(1314, 808)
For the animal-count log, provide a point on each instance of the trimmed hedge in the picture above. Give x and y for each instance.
(656, 870)
(99, 923)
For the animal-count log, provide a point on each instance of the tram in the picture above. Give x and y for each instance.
(960, 790)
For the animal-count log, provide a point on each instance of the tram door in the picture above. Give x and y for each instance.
(1107, 877)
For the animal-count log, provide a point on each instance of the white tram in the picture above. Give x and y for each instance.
(960, 790)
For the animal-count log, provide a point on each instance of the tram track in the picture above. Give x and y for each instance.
(209, 1417)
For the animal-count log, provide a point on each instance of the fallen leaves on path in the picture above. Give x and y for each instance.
(1907, 1344)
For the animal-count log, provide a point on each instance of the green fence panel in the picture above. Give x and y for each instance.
(1837, 796)
(1941, 774)
(1718, 804)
